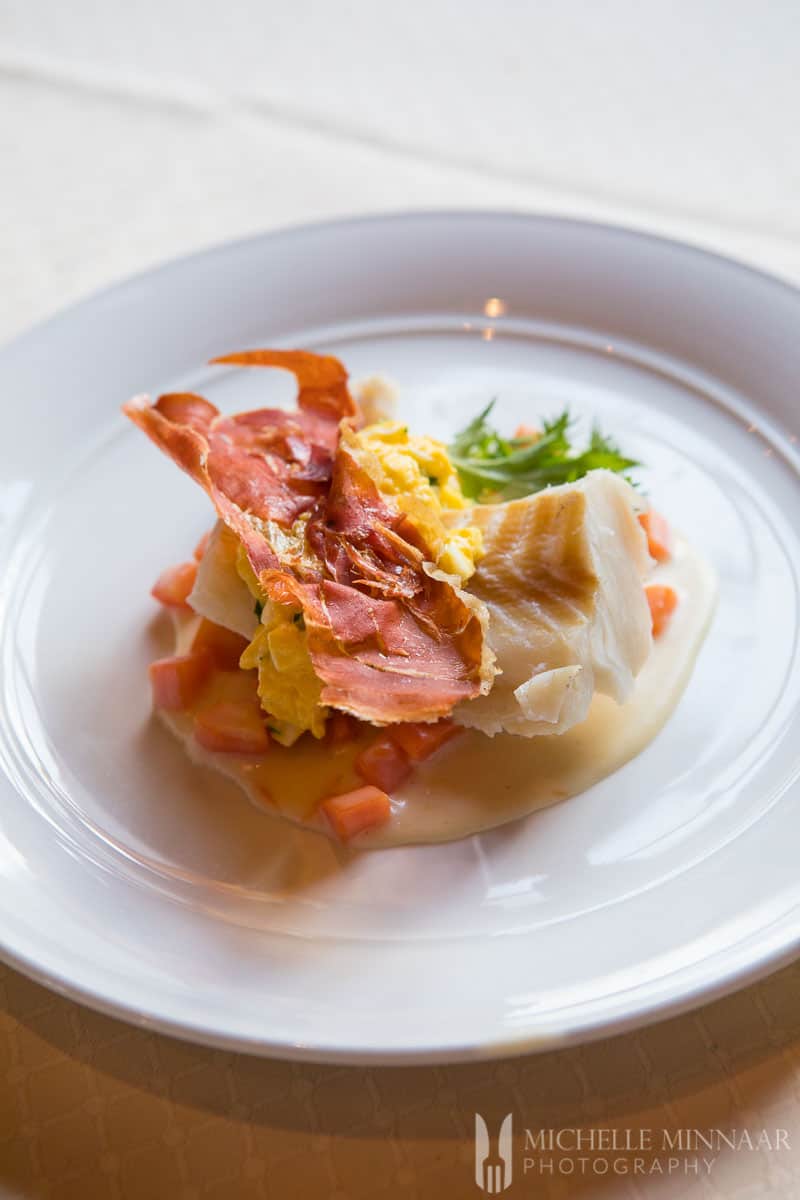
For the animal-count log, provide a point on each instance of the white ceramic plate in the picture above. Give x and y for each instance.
(151, 889)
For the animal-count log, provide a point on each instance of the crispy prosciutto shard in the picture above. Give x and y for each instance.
(390, 638)
(364, 540)
(321, 379)
(414, 643)
(265, 465)
(377, 662)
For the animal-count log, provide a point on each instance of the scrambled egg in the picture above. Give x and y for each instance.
(417, 474)
(288, 687)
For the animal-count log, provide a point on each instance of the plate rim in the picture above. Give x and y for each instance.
(777, 952)
(443, 215)
(541, 1042)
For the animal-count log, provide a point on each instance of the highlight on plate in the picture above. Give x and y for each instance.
(393, 640)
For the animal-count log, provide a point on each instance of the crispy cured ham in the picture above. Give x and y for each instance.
(268, 465)
(390, 638)
(404, 625)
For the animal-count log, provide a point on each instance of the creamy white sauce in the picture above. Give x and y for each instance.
(476, 782)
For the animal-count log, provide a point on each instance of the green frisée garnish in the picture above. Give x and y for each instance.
(489, 465)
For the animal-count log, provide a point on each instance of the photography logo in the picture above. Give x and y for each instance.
(493, 1168)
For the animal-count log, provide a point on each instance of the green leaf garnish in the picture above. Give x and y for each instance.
(491, 466)
(258, 608)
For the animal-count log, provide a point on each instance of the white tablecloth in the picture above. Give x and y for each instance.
(134, 132)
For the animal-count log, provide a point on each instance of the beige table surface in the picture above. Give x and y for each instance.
(131, 133)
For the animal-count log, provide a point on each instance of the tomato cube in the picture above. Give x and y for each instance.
(174, 585)
(528, 431)
(419, 741)
(232, 727)
(663, 601)
(177, 682)
(659, 534)
(354, 812)
(383, 764)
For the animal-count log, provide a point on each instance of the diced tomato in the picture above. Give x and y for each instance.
(383, 764)
(420, 741)
(340, 728)
(354, 812)
(185, 408)
(527, 431)
(174, 585)
(224, 646)
(202, 545)
(659, 534)
(232, 727)
(663, 601)
(177, 682)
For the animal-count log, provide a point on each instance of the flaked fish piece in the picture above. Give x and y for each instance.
(562, 581)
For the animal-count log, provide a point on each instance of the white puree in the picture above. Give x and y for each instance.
(476, 782)
(479, 782)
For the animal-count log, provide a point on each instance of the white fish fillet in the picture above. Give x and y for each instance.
(562, 580)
